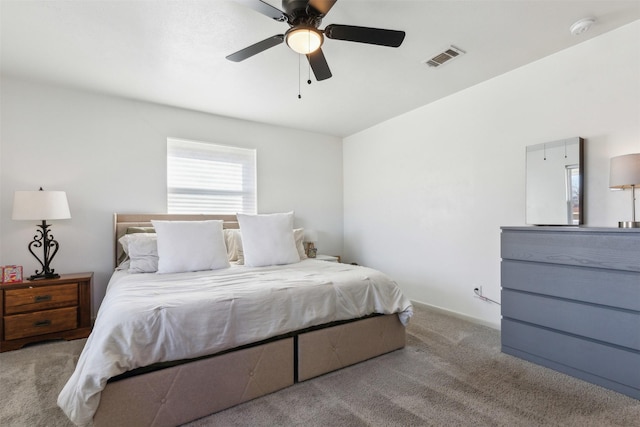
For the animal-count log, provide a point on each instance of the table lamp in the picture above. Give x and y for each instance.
(42, 205)
(624, 173)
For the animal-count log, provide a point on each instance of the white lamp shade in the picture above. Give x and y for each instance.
(624, 171)
(40, 205)
(310, 236)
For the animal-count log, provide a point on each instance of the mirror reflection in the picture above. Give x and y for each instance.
(554, 183)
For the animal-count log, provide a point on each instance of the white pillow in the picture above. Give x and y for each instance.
(233, 242)
(143, 254)
(239, 250)
(298, 235)
(142, 251)
(268, 239)
(190, 246)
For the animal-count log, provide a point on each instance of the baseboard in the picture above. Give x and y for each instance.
(458, 315)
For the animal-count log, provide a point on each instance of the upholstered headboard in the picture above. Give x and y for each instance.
(121, 222)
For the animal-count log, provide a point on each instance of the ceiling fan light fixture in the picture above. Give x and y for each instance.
(304, 40)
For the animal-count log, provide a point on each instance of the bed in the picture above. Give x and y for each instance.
(169, 348)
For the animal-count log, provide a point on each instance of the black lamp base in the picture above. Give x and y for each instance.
(43, 276)
(44, 240)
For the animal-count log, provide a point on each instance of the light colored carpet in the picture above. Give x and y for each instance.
(451, 373)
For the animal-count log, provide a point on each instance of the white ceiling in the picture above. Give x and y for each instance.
(173, 52)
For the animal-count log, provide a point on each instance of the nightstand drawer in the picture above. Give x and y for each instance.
(40, 298)
(40, 323)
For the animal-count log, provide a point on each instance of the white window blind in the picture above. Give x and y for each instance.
(205, 178)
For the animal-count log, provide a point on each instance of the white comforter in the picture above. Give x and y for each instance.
(149, 318)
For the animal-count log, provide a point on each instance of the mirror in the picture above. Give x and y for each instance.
(554, 183)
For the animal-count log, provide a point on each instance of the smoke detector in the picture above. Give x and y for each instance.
(581, 26)
(445, 56)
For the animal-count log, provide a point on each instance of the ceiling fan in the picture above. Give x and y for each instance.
(304, 36)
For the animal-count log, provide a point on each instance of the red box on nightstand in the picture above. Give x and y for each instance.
(11, 273)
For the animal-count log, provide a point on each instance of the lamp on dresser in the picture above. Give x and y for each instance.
(42, 205)
(624, 173)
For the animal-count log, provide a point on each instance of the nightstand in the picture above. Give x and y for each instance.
(329, 258)
(44, 310)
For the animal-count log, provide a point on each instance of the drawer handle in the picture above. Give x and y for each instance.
(42, 298)
(41, 323)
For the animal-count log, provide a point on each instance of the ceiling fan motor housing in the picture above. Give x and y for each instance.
(291, 6)
(298, 13)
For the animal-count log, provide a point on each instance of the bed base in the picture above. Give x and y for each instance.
(329, 349)
(192, 390)
(183, 393)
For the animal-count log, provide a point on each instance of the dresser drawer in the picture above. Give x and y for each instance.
(25, 300)
(40, 323)
(620, 289)
(599, 362)
(606, 324)
(606, 250)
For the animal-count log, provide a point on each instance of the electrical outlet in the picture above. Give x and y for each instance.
(478, 293)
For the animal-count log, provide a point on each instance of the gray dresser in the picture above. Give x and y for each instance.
(571, 302)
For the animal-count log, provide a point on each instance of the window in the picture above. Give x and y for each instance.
(573, 193)
(207, 178)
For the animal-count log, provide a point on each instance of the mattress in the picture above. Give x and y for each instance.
(150, 318)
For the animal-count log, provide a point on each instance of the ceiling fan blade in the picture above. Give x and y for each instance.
(322, 6)
(265, 9)
(319, 65)
(391, 38)
(254, 49)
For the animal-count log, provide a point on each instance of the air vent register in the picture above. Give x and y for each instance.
(443, 57)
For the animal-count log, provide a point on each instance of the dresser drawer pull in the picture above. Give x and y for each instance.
(41, 323)
(42, 298)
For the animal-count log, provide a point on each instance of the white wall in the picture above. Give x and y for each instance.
(109, 155)
(426, 193)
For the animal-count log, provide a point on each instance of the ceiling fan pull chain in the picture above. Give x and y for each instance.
(299, 77)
